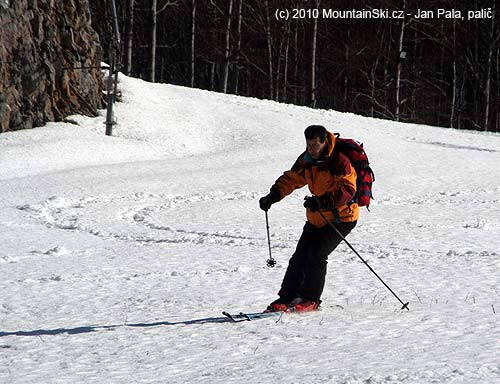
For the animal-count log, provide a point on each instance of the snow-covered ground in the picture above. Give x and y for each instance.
(118, 254)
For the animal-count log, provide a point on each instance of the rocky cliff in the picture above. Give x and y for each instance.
(41, 42)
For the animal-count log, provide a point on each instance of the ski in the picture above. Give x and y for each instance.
(243, 316)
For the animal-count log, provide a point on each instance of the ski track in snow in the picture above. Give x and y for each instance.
(154, 218)
(145, 219)
(149, 218)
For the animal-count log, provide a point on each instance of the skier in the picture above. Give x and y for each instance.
(332, 181)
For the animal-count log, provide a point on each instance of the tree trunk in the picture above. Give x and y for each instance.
(193, 34)
(269, 50)
(454, 84)
(441, 109)
(285, 74)
(238, 50)
(129, 37)
(212, 75)
(487, 87)
(152, 42)
(498, 92)
(227, 52)
(296, 62)
(388, 76)
(373, 74)
(312, 73)
(278, 73)
(347, 54)
(398, 70)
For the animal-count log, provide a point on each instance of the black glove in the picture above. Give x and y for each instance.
(313, 203)
(268, 200)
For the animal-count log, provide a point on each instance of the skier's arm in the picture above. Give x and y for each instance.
(291, 180)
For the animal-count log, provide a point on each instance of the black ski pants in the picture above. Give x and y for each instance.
(305, 275)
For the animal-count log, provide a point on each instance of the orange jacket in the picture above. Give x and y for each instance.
(332, 179)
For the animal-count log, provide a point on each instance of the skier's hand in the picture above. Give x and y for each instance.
(313, 203)
(265, 203)
(268, 200)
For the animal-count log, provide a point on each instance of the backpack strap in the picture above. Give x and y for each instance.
(336, 215)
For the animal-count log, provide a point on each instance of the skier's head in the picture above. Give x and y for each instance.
(316, 140)
(315, 131)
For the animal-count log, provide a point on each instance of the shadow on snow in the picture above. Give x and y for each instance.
(96, 328)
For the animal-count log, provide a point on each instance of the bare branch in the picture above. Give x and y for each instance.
(170, 3)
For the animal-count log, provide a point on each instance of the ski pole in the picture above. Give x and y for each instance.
(270, 262)
(405, 305)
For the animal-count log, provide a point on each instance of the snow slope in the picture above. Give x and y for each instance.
(118, 254)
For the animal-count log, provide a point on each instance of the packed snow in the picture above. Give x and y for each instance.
(118, 254)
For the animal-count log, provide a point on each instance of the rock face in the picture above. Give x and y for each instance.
(41, 41)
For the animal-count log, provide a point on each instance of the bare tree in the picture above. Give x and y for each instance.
(152, 42)
(129, 36)
(227, 51)
(454, 80)
(373, 72)
(269, 49)
(238, 49)
(487, 89)
(347, 54)
(398, 68)
(193, 34)
(312, 69)
(154, 12)
(296, 60)
(498, 91)
(287, 49)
